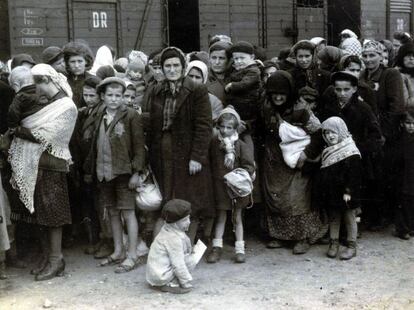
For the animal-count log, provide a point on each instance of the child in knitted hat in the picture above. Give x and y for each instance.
(228, 152)
(170, 258)
(243, 91)
(135, 72)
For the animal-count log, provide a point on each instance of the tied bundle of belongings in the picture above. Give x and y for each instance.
(239, 184)
(148, 196)
(294, 141)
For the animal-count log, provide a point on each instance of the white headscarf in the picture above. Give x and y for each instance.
(103, 58)
(350, 33)
(57, 78)
(198, 65)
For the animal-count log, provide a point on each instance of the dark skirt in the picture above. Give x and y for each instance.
(51, 201)
(287, 196)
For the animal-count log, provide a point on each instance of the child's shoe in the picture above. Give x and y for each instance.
(349, 251)
(333, 248)
(175, 289)
(239, 249)
(240, 258)
(214, 255)
(404, 236)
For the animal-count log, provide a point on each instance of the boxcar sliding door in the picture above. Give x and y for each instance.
(96, 23)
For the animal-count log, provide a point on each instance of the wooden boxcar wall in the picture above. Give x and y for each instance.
(373, 19)
(240, 19)
(261, 22)
(268, 23)
(35, 25)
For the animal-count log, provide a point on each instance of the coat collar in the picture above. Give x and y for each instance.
(90, 119)
(375, 76)
(122, 111)
(187, 87)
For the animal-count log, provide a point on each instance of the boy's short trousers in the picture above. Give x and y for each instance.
(116, 194)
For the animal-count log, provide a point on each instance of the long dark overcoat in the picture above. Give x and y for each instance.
(191, 133)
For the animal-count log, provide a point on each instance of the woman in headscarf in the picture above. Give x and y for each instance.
(103, 58)
(179, 134)
(388, 85)
(286, 190)
(349, 43)
(198, 72)
(40, 158)
(329, 58)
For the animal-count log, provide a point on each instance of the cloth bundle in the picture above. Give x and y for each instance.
(294, 141)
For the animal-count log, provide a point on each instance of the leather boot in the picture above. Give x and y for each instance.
(54, 268)
(40, 266)
(214, 255)
(240, 258)
(349, 251)
(333, 248)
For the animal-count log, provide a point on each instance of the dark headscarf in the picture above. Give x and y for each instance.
(403, 51)
(280, 82)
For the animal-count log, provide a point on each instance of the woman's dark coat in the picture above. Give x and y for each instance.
(191, 133)
(388, 86)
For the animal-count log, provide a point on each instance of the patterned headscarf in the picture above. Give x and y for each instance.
(57, 78)
(344, 148)
(351, 46)
(373, 46)
(337, 125)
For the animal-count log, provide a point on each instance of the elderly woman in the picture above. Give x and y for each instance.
(287, 190)
(387, 84)
(40, 157)
(179, 134)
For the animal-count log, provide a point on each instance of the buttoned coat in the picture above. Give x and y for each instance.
(191, 132)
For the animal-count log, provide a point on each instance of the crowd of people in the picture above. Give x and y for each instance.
(143, 155)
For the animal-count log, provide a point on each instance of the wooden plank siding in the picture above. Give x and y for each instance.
(49, 19)
(53, 24)
(373, 19)
(237, 18)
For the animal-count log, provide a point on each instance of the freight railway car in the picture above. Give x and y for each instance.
(31, 25)
(369, 19)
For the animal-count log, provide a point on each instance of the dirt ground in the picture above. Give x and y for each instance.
(380, 277)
